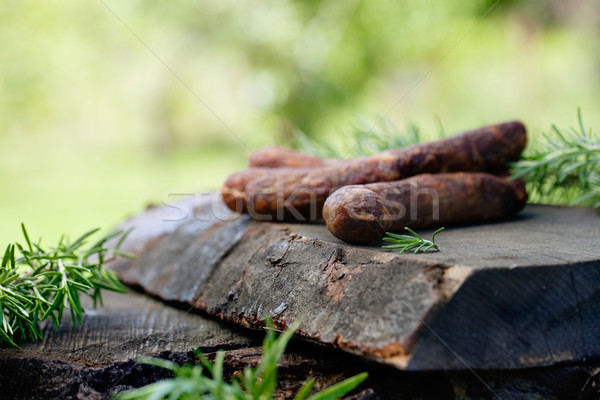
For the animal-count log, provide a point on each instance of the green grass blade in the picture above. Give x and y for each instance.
(340, 389)
(305, 390)
(158, 362)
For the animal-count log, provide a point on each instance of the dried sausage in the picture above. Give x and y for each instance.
(233, 190)
(363, 213)
(300, 194)
(273, 157)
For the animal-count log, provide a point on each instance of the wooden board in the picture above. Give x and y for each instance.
(97, 360)
(128, 326)
(508, 295)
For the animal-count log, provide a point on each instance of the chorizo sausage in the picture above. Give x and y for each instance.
(300, 194)
(361, 214)
(233, 190)
(272, 160)
(273, 157)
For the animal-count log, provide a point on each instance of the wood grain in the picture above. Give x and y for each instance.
(128, 326)
(498, 296)
(97, 360)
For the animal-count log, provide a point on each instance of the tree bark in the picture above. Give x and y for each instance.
(516, 294)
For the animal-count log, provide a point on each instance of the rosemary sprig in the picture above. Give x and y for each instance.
(38, 284)
(205, 380)
(406, 242)
(564, 167)
(365, 137)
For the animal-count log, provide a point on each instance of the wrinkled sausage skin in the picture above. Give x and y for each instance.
(274, 157)
(233, 190)
(295, 194)
(361, 214)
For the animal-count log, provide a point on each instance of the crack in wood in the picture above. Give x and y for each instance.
(381, 304)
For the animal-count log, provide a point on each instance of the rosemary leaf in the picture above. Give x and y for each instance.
(406, 242)
(563, 167)
(38, 285)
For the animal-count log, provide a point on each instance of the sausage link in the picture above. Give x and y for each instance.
(363, 213)
(273, 157)
(296, 194)
(233, 190)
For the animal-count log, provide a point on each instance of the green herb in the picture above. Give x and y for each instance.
(564, 167)
(406, 242)
(365, 138)
(38, 284)
(205, 380)
(561, 167)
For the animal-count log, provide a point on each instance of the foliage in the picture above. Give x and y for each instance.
(83, 97)
(365, 138)
(406, 242)
(563, 167)
(37, 284)
(205, 380)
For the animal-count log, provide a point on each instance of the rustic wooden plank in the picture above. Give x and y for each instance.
(128, 326)
(502, 295)
(95, 361)
(98, 358)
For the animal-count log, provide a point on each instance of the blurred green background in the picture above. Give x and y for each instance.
(107, 106)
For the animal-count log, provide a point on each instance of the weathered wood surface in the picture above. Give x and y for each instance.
(97, 360)
(508, 295)
(128, 326)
